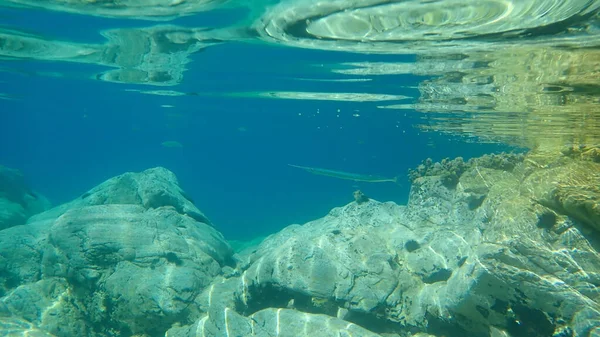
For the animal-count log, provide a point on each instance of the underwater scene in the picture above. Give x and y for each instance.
(300, 168)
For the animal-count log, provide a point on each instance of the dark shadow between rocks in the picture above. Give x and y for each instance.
(529, 323)
(439, 327)
(270, 296)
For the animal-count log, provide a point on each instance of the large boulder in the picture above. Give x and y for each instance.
(128, 257)
(477, 251)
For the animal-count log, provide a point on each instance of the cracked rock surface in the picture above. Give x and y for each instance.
(128, 257)
(509, 264)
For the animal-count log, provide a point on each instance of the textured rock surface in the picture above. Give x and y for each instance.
(17, 201)
(484, 256)
(501, 251)
(10, 326)
(128, 257)
(271, 322)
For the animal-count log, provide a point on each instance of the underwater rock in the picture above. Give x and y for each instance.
(130, 256)
(355, 259)
(451, 170)
(271, 322)
(360, 197)
(480, 258)
(584, 152)
(17, 201)
(508, 249)
(569, 185)
(13, 326)
(52, 297)
(150, 189)
(306, 325)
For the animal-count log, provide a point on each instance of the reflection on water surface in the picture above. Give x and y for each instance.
(519, 72)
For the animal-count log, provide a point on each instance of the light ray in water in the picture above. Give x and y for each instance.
(347, 175)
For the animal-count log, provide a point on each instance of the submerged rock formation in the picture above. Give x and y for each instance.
(128, 257)
(485, 256)
(17, 201)
(503, 251)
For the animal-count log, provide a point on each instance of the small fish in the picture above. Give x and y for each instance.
(346, 175)
(171, 143)
(7, 97)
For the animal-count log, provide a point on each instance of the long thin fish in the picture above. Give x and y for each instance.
(346, 175)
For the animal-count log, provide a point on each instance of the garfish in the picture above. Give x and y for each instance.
(347, 175)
